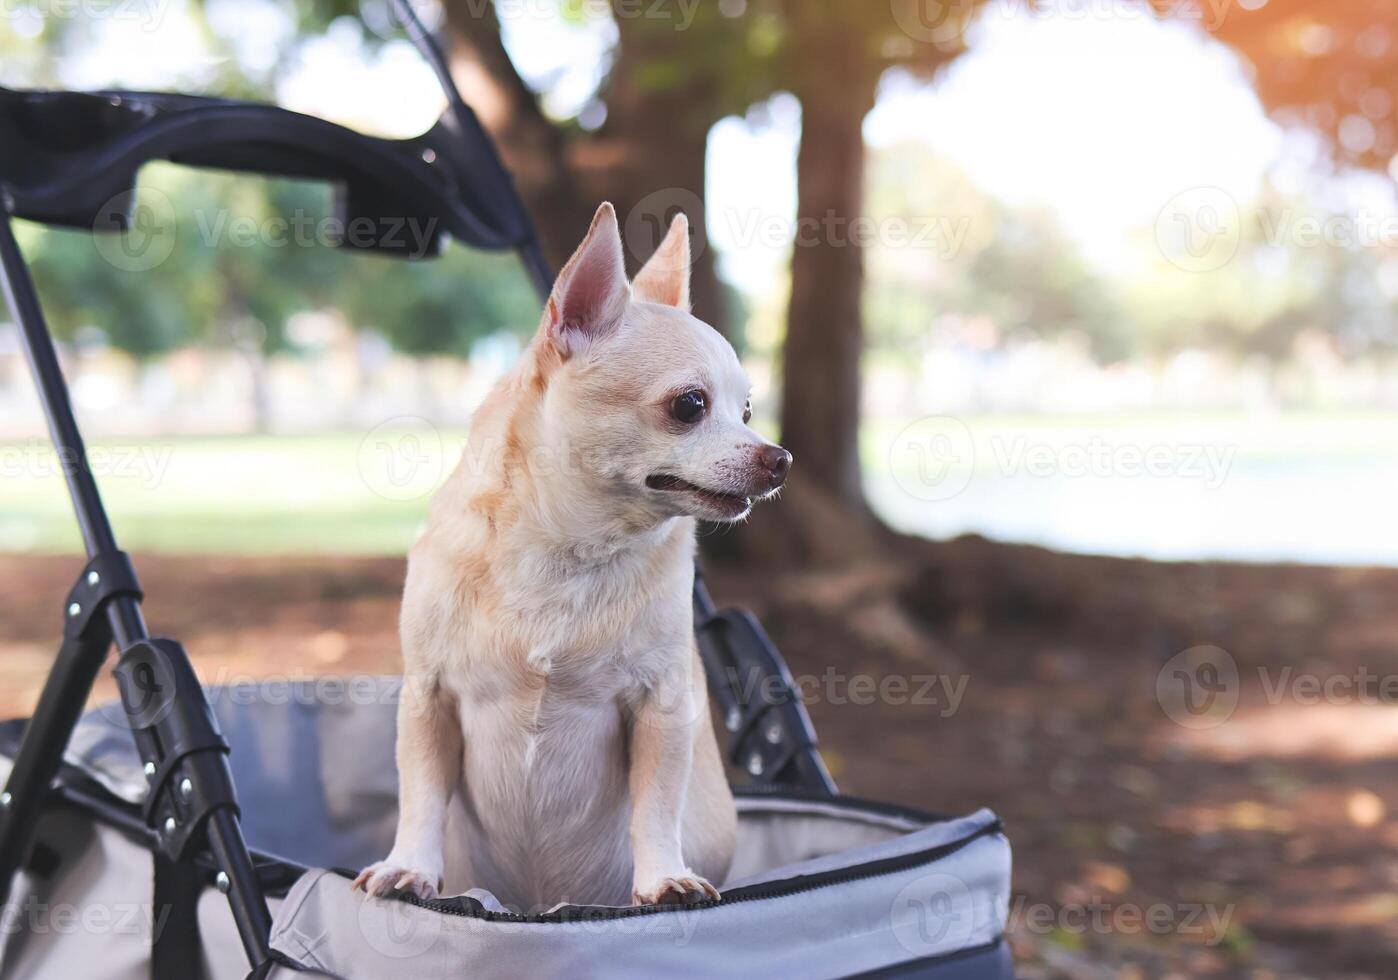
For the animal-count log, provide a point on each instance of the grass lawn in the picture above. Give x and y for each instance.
(340, 493)
(1270, 487)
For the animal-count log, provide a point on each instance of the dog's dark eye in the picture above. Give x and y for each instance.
(689, 406)
(747, 412)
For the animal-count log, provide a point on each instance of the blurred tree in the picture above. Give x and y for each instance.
(1282, 284)
(677, 69)
(1033, 282)
(1330, 66)
(81, 291)
(832, 57)
(440, 308)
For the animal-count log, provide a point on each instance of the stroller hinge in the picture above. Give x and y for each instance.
(106, 577)
(184, 753)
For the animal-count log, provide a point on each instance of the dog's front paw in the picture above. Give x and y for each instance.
(390, 875)
(681, 889)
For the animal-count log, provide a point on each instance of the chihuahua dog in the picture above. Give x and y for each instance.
(554, 739)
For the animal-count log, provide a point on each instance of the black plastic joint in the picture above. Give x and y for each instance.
(106, 577)
(184, 753)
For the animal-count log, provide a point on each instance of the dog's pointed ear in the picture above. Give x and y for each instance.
(665, 278)
(591, 293)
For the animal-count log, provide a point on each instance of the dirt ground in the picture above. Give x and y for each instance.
(1150, 841)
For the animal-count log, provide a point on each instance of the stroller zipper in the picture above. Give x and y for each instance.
(793, 886)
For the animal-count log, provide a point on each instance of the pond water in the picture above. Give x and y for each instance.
(1313, 489)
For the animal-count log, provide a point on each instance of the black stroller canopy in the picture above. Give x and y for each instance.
(71, 159)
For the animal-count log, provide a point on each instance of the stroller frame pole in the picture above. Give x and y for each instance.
(104, 607)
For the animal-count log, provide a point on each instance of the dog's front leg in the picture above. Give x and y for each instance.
(429, 767)
(663, 729)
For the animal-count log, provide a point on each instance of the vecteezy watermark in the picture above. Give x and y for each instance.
(944, 22)
(136, 231)
(1362, 229)
(934, 913)
(33, 458)
(149, 14)
(37, 917)
(935, 457)
(679, 14)
(1199, 230)
(649, 220)
(942, 235)
(939, 912)
(411, 236)
(1361, 686)
(383, 19)
(402, 459)
(402, 931)
(398, 930)
(148, 692)
(944, 692)
(1198, 688)
(1203, 922)
(1096, 457)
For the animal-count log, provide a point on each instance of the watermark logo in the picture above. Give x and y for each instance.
(398, 930)
(1206, 924)
(411, 236)
(945, 22)
(137, 230)
(35, 917)
(1360, 229)
(27, 16)
(1207, 463)
(1199, 230)
(648, 222)
(402, 459)
(146, 463)
(933, 21)
(679, 14)
(146, 683)
(933, 458)
(1198, 688)
(933, 914)
(382, 19)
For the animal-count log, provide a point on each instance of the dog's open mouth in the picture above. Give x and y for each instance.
(727, 503)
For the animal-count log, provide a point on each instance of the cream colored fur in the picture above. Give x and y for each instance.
(554, 739)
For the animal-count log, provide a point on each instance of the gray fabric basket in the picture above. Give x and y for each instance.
(819, 887)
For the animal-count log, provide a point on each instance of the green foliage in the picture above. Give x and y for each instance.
(1277, 288)
(1033, 282)
(248, 255)
(442, 306)
(947, 249)
(81, 290)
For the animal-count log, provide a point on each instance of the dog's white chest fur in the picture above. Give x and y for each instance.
(544, 666)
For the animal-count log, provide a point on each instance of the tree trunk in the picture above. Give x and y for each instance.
(823, 517)
(824, 334)
(648, 159)
(259, 388)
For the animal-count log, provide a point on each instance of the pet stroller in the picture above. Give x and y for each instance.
(126, 852)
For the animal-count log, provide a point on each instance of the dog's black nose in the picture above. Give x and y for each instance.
(777, 462)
